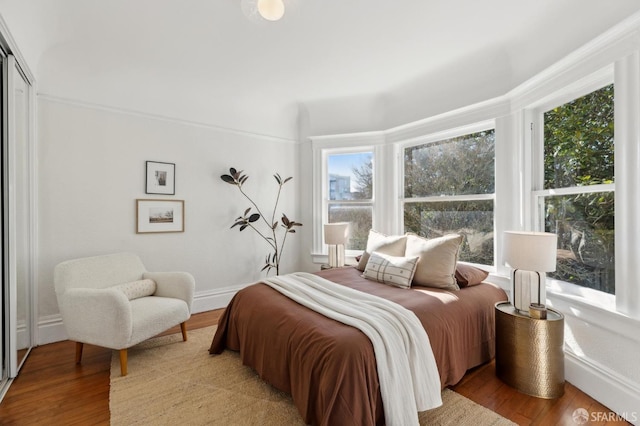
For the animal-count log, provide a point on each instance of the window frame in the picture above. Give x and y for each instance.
(535, 113)
(322, 147)
(327, 202)
(435, 138)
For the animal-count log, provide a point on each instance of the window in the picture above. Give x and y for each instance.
(449, 187)
(350, 194)
(577, 200)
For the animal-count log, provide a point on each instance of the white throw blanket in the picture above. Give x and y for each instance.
(407, 371)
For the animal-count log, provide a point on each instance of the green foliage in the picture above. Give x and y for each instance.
(248, 219)
(579, 151)
(578, 141)
(359, 218)
(471, 219)
(458, 166)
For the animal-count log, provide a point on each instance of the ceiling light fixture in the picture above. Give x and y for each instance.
(271, 10)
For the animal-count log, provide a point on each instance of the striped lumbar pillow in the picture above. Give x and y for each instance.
(392, 270)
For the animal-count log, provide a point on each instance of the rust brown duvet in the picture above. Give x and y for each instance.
(329, 368)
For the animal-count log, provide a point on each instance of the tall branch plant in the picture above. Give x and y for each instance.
(265, 228)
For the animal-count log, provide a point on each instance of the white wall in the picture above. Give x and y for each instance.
(92, 169)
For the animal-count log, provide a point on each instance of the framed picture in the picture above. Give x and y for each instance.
(161, 178)
(159, 216)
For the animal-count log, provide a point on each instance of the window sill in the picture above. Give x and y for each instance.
(591, 306)
(322, 258)
(583, 295)
(585, 304)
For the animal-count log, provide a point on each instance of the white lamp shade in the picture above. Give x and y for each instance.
(530, 251)
(336, 233)
(271, 10)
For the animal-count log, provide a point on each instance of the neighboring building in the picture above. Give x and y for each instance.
(340, 187)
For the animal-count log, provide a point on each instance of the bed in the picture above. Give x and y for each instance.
(329, 368)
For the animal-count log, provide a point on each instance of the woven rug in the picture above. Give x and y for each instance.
(174, 382)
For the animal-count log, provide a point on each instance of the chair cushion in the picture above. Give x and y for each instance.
(153, 315)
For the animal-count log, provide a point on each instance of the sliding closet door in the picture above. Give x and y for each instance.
(21, 221)
(16, 218)
(4, 289)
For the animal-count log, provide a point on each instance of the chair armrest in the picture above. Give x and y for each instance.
(179, 285)
(97, 316)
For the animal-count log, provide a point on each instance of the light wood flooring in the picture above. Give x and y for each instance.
(51, 390)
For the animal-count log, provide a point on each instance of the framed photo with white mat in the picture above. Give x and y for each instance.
(160, 178)
(157, 216)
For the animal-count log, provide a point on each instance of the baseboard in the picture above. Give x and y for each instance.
(214, 299)
(51, 329)
(606, 387)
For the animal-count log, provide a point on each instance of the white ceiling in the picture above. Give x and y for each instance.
(216, 62)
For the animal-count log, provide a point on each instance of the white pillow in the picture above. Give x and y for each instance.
(438, 258)
(137, 289)
(392, 270)
(392, 245)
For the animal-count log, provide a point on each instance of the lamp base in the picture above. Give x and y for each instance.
(527, 288)
(336, 256)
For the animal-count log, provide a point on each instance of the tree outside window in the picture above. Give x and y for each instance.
(449, 188)
(578, 154)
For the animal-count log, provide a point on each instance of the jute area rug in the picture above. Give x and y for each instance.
(174, 382)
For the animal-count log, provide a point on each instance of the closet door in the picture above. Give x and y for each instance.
(21, 222)
(16, 218)
(4, 293)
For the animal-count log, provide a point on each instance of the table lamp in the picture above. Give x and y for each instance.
(335, 235)
(529, 251)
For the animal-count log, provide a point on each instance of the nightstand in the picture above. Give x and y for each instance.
(529, 351)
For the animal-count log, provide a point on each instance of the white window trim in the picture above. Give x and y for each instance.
(586, 297)
(322, 147)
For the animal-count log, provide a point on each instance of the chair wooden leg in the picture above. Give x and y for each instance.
(123, 362)
(183, 329)
(79, 347)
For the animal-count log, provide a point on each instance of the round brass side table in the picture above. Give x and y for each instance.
(529, 351)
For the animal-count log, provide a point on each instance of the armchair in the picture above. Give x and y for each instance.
(114, 302)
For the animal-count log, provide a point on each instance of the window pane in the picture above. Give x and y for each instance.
(578, 141)
(359, 218)
(457, 166)
(471, 219)
(584, 225)
(350, 176)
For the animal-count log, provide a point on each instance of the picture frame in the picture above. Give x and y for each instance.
(160, 178)
(158, 216)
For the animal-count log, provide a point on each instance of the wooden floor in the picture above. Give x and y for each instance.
(52, 390)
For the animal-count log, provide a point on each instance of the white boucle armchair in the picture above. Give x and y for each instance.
(113, 302)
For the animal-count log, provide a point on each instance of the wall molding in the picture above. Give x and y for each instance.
(603, 385)
(51, 329)
(158, 117)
